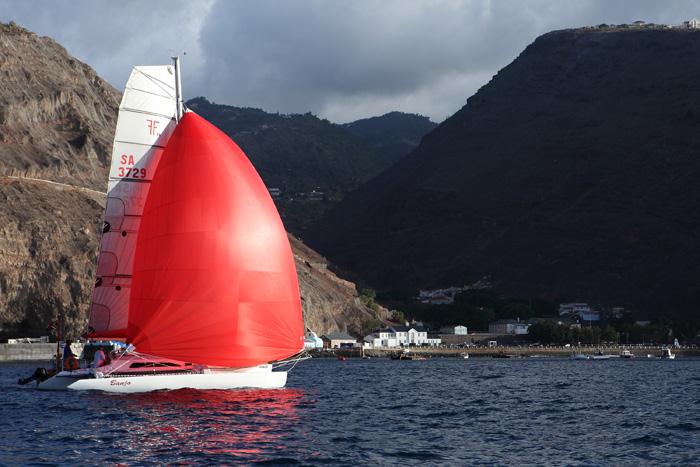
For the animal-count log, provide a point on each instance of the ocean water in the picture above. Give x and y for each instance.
(376, 412)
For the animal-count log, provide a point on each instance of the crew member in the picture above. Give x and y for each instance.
(70, 362)
(100, 359)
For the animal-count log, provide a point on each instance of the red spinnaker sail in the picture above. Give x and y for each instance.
(214, 280)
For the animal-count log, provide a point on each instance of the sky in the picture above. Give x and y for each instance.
(339, 59)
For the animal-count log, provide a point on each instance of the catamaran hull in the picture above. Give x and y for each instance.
(148, 383)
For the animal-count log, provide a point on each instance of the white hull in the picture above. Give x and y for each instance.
(261, 377)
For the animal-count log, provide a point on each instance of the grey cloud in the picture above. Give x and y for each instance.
(340, 59)
(350, 59)
(113, 36)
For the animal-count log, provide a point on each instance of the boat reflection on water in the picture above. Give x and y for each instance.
(211, 426)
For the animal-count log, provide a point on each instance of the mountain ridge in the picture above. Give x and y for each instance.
(568, 176)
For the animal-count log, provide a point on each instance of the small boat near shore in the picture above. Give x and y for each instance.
(405, 355)
(626, 354)
(599, 355)
(506, 355)
(666, 354)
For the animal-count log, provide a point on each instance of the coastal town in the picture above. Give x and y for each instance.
(504, 336)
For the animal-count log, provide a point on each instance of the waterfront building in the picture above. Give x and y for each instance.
(397, 336)
(508, 326)
(312, 341)
(335, 340)
(458, 330)
(381, 340)
(569, 321)
(413, 335)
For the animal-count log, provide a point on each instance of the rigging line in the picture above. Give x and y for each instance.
(155, 81)
(150, 93)
(152, 78)
(136, 143)
(303, 355)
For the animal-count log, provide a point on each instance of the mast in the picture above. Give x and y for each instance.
(178, 88)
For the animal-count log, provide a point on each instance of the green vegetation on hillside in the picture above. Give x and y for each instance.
(312, 161)
(296, 153)
(393, 135)
(472, 308)
(477, 308)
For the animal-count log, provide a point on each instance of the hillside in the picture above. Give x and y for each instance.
(313, 162)
(571, 174)
(392, 135)
(57, 120)
(296, 152)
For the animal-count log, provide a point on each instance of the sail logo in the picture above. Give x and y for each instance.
(152, 126)
(116, 382)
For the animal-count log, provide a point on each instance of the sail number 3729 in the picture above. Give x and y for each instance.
(130, 172)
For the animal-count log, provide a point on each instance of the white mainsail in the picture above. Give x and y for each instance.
(146, 121)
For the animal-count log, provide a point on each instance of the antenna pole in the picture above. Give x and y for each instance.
(178, 89)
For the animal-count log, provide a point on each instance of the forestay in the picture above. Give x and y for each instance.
(146, 121)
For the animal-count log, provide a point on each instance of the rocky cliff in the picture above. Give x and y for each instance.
(56, 114)
(572, 175)
(57, 120)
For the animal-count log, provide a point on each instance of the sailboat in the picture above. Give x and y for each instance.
(195, 272)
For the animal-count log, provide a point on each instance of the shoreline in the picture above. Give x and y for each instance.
(640, 352)
(45, 352)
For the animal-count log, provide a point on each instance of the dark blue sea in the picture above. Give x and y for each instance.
(532, 411)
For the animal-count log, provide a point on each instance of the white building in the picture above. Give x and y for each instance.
(692, 24)
(397, 336)
(380, 339)
(312, 341)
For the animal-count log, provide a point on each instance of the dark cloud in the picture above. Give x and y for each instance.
(113, 36)
(340, 59)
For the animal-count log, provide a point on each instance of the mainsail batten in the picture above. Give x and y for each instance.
(145, 123)
(214, 279)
